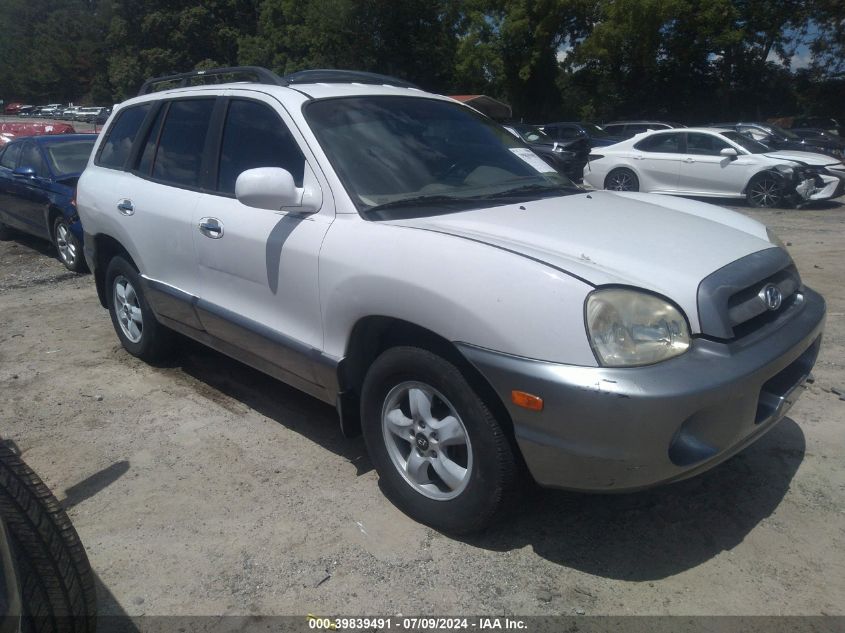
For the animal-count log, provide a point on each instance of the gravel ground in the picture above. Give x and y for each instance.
(204, 487)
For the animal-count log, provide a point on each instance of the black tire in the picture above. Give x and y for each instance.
(56, 582)
(622, 179)
(5, 232)
(493, 475)
(68, 247)
(764, 191)
(156, 341)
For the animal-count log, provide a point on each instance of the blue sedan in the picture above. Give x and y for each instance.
(38, 178)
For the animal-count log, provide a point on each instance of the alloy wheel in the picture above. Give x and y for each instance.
(65, 244)
(765, 193)
(426, 440)
(620, 181)
(127, 307)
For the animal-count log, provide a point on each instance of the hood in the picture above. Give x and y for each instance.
(667, 245)
(808, 158)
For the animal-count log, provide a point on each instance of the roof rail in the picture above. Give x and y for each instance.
(265, 76)
(331, 76)
(251, 73)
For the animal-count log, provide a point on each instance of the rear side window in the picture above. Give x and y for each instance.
(10, 156)
(666, 143)
(31, 157)
(145, 162)
(115, 149)
(255, 136)
(178, 159)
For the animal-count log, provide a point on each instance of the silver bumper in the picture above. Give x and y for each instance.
(606, 429)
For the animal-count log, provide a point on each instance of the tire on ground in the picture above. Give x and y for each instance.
(622, 179)
(57, 585)
(765, 191)
(74, 261)
(155, 341)
(493, 475)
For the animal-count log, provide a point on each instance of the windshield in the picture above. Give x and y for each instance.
(393, 151)
(595, 130)
(747, 143)
(779, 131)
(531, 134)
(69, 157)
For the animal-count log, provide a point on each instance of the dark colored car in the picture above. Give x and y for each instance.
(828, 124)
(568, 158)
(46, 581)
(778, 138)
(596, 135)
(626, 129)
(813, 135)
(38, 178)
(12, 108)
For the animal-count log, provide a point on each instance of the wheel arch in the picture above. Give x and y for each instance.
(765, 171)
(372, 335)
(105, 248)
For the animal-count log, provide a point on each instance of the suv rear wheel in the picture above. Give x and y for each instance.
(441, 455)
(136, 326)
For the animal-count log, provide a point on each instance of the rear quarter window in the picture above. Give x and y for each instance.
(120, 136)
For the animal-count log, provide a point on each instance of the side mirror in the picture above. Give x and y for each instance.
(24, 172)
(274, 189)
(729, 152)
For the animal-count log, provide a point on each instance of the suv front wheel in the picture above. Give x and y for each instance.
(441, 455)
(136, 326)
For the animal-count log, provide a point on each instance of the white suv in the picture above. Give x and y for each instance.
(474, 313)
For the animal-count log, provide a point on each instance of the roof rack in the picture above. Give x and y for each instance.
(331, 76)
(261, 75)
(250, 73)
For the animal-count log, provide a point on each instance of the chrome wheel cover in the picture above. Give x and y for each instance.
(426, 440)
(127, 307)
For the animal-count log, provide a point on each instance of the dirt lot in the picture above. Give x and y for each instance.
(203, 487)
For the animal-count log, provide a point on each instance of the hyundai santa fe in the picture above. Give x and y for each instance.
(470, 310)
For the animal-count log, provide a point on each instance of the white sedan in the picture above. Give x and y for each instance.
(714, 162)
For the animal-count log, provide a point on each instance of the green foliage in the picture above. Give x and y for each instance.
(693, 60)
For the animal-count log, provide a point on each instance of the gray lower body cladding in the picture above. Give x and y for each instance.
(610, 429)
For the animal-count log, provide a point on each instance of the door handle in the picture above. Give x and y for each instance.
(211, 227)
(126, 207)
(689, 160)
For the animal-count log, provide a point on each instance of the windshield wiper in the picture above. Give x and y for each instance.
(528, 189)
(417, 201)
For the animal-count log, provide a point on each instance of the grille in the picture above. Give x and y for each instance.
(730, 305)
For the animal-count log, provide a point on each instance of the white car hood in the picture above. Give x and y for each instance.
(667, 245)
(808, 158)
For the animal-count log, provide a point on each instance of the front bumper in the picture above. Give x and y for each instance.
(611, 429)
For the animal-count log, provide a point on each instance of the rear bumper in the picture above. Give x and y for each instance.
(606, 429)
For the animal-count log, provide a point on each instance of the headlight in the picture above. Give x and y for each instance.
(629, 328)
(774, 239)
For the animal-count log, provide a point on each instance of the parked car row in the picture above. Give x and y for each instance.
(760, 162)
(715, 162)
(87, 114)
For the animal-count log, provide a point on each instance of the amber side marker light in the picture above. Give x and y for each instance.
(527, 400)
